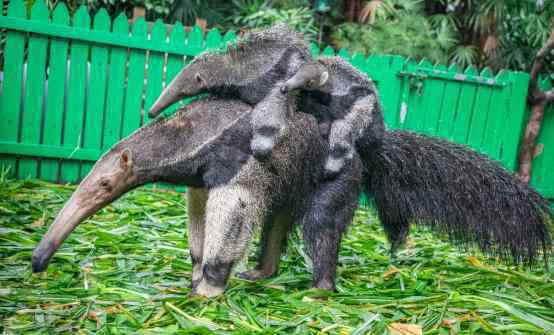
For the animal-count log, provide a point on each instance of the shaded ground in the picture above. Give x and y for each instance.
(127, 270)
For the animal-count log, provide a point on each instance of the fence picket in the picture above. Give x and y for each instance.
(462, 118)
(481, 112)
(135, 82)
(34, 92)
(495, 119)
(195, 41)
(328, 52)
(543, 164)
(230, 36)
(73, 126)
(409, 113)
(96, 91)
(449, 105)
(434, 95)
(155, 69)
(116, 89)
(515, 118)
(174, 62)
(389, 88)
(13, 76)
(56, 86)
(213, 39)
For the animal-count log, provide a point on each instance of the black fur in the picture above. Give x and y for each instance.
(455, 191)
(330, 211)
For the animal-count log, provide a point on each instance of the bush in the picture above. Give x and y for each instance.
(412, 36)
(260, 14)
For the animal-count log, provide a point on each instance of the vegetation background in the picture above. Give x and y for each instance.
(494, 33)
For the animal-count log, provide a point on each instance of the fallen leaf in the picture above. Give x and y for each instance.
(38, 223)
(389, 273)
(405, 329)
(474, 261)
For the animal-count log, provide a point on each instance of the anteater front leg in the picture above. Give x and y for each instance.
(274, 238)
(363, 120)
(196, 204)
(269, 123)
(232, 212)
(329, 213)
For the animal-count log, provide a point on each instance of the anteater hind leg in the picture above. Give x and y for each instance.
(231, 214)
(331, 210)
(196, 204)
(274, 238)
(397, 235)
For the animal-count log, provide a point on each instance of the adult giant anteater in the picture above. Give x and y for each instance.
(207, 148)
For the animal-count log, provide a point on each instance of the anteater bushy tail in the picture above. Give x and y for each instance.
(456, 191)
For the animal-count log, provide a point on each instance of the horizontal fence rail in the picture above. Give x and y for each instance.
(73, 86)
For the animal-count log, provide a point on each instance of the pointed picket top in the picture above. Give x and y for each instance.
(344, 54)
(195, 41)
(486, 73)
(213, 39)
(229, 36)
(158, 32)
(453, 68)
(81, 18)
(61, 14)
(139, 27)
(471, 70)
(411, 62)
(328, 52)
(424, 63)
(121, 24)
(372, 60)
(39, 11)
(503, 75)
(358, 60)
(177, 35)
(101, 20)
(16, 8)
(314, 48)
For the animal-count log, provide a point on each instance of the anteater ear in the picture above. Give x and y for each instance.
(126, 159)
(323, 78)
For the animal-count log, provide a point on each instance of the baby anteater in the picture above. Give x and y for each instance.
(346, 103)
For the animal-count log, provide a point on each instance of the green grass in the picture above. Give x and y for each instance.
(127, 270)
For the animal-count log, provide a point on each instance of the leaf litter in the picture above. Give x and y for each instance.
(127, 270)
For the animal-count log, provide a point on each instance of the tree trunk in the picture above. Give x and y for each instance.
(527, 149)
(351, 10)
(538, 101)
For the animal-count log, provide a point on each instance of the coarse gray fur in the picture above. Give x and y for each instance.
(249, 72)
(206, 147)
(345, 101)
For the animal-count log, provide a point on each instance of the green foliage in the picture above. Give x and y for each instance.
(127, 270)
(397, 30)
(495, 33)
(260, 14)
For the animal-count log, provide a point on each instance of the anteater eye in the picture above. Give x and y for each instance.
(105, 184)
(310, 83)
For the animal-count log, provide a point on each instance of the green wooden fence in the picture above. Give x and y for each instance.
(74, 86)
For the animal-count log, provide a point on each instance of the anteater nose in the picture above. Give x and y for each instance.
(39, 262)
(284, 89)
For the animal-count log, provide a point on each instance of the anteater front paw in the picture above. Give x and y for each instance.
(254, 275)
